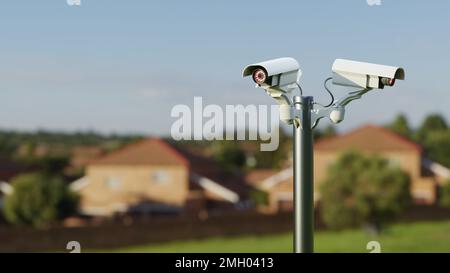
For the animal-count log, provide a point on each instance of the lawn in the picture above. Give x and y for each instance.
(412, 237)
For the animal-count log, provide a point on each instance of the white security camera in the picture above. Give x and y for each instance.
(276, 76)
(365, 75)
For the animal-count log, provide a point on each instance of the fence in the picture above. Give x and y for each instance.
(140, 231)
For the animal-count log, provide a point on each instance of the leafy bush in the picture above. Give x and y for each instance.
(259, 197)
(445, 195)
(362, 191)
(38, 199)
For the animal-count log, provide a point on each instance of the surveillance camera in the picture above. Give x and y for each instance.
(276, 76)
(365, 75)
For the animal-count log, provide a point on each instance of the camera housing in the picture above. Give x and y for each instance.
(276, 76)
(365, 75)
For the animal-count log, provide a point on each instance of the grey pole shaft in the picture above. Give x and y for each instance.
(303, 179)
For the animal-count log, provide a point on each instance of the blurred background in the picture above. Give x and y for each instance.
(86, 153)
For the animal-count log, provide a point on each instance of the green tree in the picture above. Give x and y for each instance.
(259, 197)
(329, 131)
(38, 200)
(362, 190)
(432, 123)
(437, 147)
(400, 125)
(230, 156)
(52, 164)
(445, 195)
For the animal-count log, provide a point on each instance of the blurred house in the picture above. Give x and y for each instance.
(426, 176)
(152, 177)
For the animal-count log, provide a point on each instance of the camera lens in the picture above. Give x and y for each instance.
(259, 76)
(387, 81)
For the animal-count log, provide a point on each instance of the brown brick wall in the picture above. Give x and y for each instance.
(134, 184)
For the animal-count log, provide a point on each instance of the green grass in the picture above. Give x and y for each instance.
(413, 237)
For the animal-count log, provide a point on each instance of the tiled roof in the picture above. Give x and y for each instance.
(369, 138)
(150, 151)
(83, 155)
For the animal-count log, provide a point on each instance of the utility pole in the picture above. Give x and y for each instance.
(303, 178)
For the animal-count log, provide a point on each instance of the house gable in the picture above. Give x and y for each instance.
(369, 138)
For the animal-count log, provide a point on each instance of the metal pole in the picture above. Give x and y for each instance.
(303, 179)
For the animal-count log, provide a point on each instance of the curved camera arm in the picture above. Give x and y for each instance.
(355, 95)
(282, 99)
(338, 107)
(286, 106)
(279, 95)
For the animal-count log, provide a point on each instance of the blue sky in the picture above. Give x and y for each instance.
(120, 66)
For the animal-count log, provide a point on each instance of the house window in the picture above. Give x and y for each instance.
(112, 183)
(159, 177)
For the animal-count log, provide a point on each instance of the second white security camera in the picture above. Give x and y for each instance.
(365, 75)
(275, 76)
